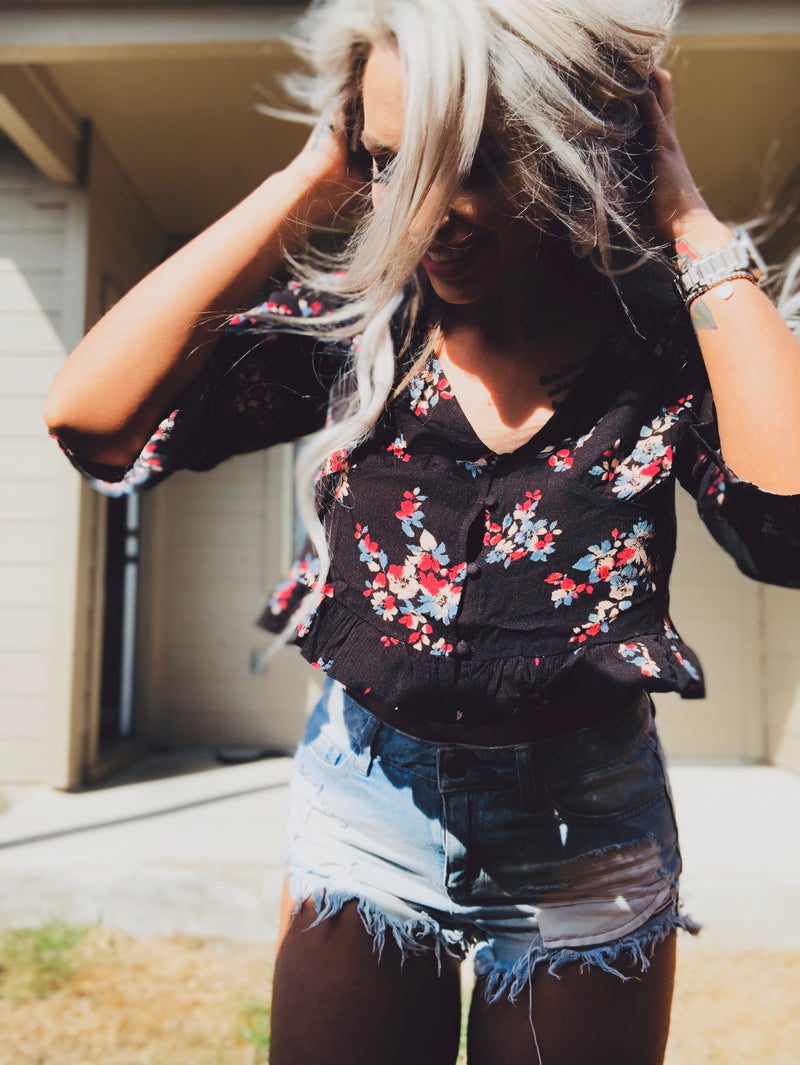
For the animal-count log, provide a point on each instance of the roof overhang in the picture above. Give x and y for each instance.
(172, 88)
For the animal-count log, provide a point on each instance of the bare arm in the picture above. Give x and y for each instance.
(751, 356)
(116, 384)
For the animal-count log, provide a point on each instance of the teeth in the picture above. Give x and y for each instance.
(451, 255)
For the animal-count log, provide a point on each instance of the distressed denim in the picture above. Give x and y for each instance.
(560, 851)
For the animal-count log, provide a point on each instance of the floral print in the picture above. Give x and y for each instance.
(479, 465)
(619, 565)
(399, 448)
(606, 468)
(651, 458)
(431, 534)
(561, 460)
(520, 534)
(638, 655)
(428, 386)
(421, 588)
(680, 655)
(337, 467)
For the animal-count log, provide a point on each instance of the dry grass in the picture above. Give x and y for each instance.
(173, 1001)
(98, 997)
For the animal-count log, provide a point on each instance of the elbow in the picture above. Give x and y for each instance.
(107, 448)
(55, 418)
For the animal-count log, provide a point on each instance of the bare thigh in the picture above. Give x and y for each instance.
(580, 1018)
(334, 1001)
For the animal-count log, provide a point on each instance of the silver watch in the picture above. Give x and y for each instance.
(738, 258)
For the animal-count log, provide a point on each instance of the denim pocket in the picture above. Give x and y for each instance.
(616, 789)
(323, 746)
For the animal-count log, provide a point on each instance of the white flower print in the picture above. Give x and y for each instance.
(428, 386)
(423, 587)
(649, 461)
(619, 565)
(518, 535)
(638, 655)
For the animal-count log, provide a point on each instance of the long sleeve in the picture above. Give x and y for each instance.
(758, 528)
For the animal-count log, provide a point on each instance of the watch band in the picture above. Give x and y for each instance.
(739, 258)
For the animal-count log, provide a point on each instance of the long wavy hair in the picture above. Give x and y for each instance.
(547, 87)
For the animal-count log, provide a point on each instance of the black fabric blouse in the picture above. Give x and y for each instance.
(470, 586)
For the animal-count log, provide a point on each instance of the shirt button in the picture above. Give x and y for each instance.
(462, 647)
(491, 502)
(473, 569)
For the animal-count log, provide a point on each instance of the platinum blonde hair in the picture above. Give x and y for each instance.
(549, 87)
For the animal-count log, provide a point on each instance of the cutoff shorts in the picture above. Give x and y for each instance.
(560, 851)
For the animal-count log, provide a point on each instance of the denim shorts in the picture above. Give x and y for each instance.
(559, 851)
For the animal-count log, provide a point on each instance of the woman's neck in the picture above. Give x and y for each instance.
(513, 357)
(548, 313)
(542, 301)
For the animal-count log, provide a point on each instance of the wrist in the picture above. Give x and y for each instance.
(736, 259)
(700, 231)
(319, 189)
(289, 197)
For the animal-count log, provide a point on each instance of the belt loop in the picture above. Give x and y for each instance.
(526, 778)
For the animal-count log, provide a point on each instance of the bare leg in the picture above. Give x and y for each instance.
(588, 1018)
(334, 1002)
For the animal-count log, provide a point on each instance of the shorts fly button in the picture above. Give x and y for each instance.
(462, 648)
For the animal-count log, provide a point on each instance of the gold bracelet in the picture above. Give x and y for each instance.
(724, 288)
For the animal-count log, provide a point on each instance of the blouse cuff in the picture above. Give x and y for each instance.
(159, 457)
(759, 528)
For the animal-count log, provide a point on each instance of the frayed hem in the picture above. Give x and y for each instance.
(421, 934)
(636, 949)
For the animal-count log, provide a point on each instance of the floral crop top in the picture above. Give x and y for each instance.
(471, 586)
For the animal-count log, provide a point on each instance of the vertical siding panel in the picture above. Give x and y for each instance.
(32, 241)
(717, 611)
(781, 624)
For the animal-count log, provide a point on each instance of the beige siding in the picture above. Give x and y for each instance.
(124, 243)
(32, 247)
(217, 543)
(717, 611)
(782, 675)
(51, 525)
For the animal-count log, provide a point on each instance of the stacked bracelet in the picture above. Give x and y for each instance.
(724, 292)
(739, 258)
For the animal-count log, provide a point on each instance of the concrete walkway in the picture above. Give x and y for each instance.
(180, 844)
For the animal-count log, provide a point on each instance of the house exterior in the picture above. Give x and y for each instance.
(124, 129)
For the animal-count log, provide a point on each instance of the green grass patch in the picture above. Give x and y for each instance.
(37, 962)
(255, 1030)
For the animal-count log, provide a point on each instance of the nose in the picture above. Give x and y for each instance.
(457, 218)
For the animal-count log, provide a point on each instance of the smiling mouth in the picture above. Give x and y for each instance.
(441, 253)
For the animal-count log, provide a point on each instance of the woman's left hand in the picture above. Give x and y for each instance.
(678, 208)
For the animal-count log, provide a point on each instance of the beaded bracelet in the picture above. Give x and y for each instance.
(723, 288)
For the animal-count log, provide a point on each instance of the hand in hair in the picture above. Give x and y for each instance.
(677, 203)
(337, 186)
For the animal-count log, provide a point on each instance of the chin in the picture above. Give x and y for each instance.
(464, 294)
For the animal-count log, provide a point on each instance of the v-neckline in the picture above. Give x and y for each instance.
(543, 435)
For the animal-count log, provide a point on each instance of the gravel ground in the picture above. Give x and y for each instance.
(181, 1001)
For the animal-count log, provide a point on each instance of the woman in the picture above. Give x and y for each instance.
(492, 511)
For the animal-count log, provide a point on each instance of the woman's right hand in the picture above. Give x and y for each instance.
(337, 186)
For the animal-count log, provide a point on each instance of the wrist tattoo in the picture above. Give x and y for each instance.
(701, 316)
